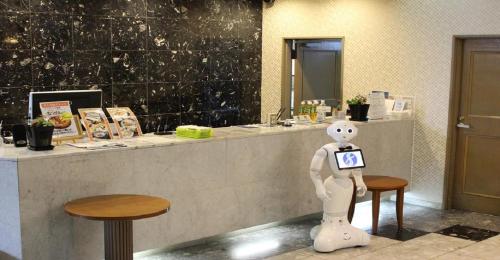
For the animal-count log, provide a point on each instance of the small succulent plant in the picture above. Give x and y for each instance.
(357, 100)
(41, 122)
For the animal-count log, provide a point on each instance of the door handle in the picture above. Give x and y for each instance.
(462, 125)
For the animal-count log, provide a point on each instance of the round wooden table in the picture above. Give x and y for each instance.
(377, 185)
(117, 212)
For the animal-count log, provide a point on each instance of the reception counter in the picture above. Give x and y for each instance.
(240, 178)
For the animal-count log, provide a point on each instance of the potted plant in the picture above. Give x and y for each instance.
(39, 134)
(358, 108)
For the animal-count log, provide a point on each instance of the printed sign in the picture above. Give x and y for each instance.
(59, 114)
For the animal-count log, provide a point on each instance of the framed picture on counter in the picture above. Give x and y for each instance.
(66, 125)
(125, 121)
(96, 123)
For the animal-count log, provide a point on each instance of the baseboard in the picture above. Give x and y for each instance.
(411, 199)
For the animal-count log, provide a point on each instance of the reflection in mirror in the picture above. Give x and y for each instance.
(313, 71)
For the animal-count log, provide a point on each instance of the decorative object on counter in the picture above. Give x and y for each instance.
(358, 108)
(39, 134)
(125, 121)
(118, 211)
(193, 131)
(377, 105)
(96, 123)
(19, 136)
(335, 231)
(66, 125)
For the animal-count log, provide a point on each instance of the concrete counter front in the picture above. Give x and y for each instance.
(240, 178)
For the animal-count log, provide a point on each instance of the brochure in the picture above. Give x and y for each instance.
(125, 121)
(96, 123)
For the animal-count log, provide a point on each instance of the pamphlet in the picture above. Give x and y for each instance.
(125, 121)
(59, 114)
(96, 123)
(399, 105)
(377, 105)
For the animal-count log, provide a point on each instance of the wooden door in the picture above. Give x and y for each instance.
(476, 184)
(316, 75)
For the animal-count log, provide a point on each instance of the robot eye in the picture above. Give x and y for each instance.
(339, 130)
(349, 131)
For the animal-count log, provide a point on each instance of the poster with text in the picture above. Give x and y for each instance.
(59, 114)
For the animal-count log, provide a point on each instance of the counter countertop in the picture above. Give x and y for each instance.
(11, 153)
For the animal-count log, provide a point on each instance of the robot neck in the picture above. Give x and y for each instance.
(342, 144)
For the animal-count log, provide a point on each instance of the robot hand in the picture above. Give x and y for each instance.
(361, 190)
(321, 193)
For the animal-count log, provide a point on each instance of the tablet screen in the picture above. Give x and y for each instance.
(349, 159)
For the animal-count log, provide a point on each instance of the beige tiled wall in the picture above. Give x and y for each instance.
(401, 46)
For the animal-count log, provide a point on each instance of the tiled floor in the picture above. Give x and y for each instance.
(428, 234)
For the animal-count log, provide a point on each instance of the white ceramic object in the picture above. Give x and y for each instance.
(335, 231)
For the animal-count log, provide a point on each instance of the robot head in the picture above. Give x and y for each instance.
(342, 131)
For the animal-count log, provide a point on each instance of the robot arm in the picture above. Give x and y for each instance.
(360, 184)
(316, 166)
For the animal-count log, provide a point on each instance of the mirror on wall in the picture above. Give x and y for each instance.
(313, 71)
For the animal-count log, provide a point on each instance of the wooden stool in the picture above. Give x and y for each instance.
(117, 212)
(378, 184)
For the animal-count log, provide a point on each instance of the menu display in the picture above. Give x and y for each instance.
(125, 121)
(59, 114)
(96, 123)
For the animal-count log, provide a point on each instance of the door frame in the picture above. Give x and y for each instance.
(286, 66)
(453, 114)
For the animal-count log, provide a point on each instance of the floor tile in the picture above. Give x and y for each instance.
(292, 241)
(466, 232)
(301, 254)
(424, 247)
(486, 249)
(392, 232)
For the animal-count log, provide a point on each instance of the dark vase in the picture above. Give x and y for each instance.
(359, 112)
(39, 136)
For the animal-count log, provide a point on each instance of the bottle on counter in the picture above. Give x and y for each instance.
(302, 107)
(321, 110)
(312, 110)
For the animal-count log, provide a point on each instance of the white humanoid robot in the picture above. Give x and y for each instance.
(335, 231)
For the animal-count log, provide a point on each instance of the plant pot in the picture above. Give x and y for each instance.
(39, 137)
(359, 112)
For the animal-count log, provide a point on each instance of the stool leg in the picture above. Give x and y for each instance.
(399, 207)
(375, 210)
(118, 240)
(350, 213)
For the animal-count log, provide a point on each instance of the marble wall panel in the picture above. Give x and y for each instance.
(67, 44)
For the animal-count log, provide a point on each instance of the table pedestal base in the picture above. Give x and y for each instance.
(118, 240)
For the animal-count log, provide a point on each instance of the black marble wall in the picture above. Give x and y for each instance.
(185, 61)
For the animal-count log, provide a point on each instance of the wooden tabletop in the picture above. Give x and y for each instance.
(117, 207)
(384, 182)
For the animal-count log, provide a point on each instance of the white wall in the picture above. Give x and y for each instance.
(401, 46)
